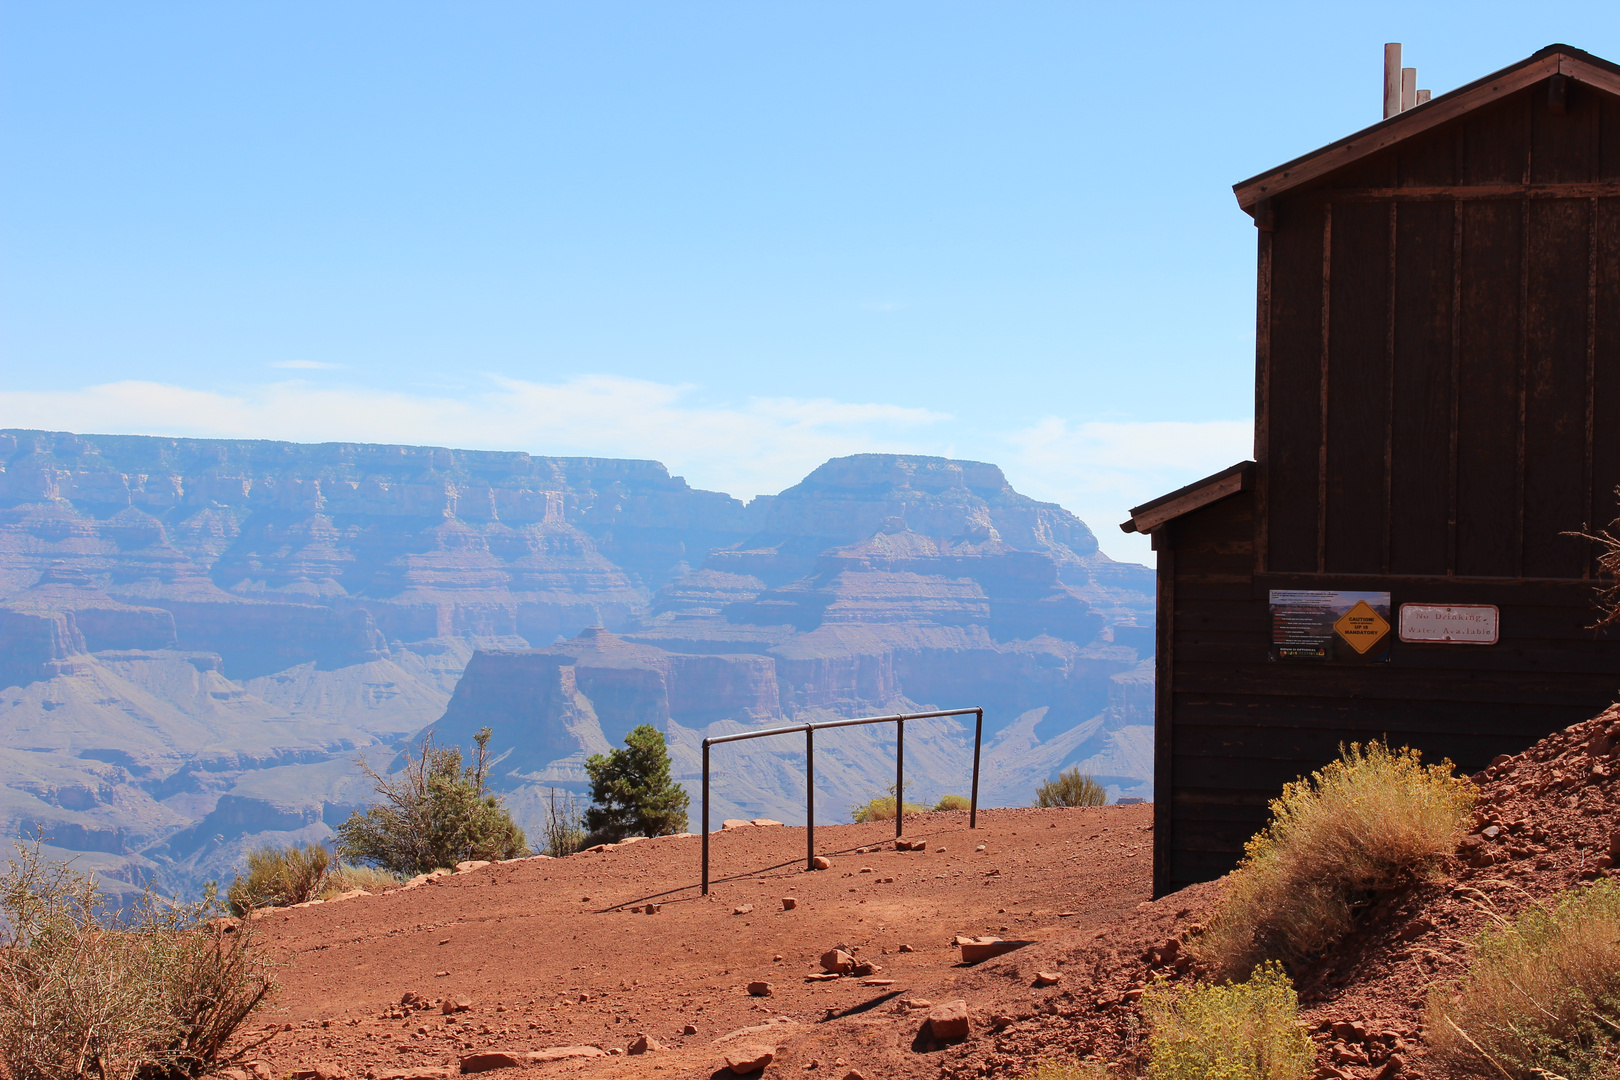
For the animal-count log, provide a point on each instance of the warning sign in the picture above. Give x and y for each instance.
(1333, 626)
(1361, 627)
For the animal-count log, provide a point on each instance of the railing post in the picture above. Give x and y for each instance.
(705, 817)
(978, 736)
(899, 777)
(809, 797)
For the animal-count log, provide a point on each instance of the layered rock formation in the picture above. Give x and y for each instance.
(199, 637)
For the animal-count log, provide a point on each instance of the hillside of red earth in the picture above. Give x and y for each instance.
(540, 960)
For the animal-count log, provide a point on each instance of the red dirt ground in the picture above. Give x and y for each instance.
(527, 942)
(524, 943)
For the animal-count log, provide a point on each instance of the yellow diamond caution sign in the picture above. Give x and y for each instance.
(1361, 627)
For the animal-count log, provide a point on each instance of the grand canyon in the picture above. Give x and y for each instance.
(202, 640)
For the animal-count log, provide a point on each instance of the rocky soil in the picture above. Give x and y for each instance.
(548, 954)
(553, 953)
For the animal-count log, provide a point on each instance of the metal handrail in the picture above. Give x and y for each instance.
(809, 729)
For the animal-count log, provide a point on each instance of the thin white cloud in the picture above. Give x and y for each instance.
(1097, 469)
(757, 447)
(306, 365)
(1100, 469)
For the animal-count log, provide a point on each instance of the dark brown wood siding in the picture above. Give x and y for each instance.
(1438, 405)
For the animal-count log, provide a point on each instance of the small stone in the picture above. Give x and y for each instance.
(765, 822)
(949, 1020)
(979, 848)
(486, 1060)
(865, 968)
(643, 1045)
(1048, 978)
(866, 869)
(471, 865)
(854, 1074)
(742, 909)
(688, 1030)
(759, 989)
(736, 823)
(821, 862)
(837, 961)
(743, 1060)
(906, 948)
(455, 1005)
(789, 903)
(653, 909)
(939, 851)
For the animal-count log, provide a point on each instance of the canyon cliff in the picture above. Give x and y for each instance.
(199, 639)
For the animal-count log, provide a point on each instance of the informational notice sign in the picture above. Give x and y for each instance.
(1450, 624)
(1330, 626)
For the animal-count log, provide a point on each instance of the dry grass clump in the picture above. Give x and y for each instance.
(154, 993)
(346, 879)
(953, 802)
(1231, 1031)
(1071, 788)
(1366, 823)
(280, 877)
(1541, 995)
(882, 809)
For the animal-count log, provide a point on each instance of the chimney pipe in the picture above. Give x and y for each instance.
(1392, 79)
(1408, 88)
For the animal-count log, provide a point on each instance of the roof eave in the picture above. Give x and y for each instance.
(1156, 513)
(1553, 60)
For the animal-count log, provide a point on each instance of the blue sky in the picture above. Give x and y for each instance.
(738, 238)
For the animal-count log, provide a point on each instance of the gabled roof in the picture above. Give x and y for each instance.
(1184, 500)
(1553, 60)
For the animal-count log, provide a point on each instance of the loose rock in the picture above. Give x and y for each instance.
(486, 1060)
(759, 989)
(750, 1059)
(949, 1020)
(789, 903)
(821, 862)
(838, 961)
(643, 1045)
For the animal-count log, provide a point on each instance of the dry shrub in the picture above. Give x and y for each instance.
(953, 802)
(1071, 1070)
(1542, 993)
(882, 809)
(1369, 822)
(1233, 1031)
(280, 877)
(1071, 788)
(153, 993)
(564, 828)
(346, 879)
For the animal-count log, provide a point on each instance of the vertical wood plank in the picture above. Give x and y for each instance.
(1606, 362)
(1423, 398)
(1488, 378)
(1164, 720)
(1293, 434)
(1456, 381)
(1322, 404)
(1389, 386)
(1357, 387)
(1262, 398)
(1586, 552)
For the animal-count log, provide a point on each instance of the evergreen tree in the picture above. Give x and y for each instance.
(632, 791)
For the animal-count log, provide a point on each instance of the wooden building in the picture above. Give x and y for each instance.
(1437, 406)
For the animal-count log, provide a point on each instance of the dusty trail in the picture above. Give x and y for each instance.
(549, 954)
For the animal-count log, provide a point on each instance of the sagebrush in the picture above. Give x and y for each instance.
(953, 802)
(1229, 1031)
(881, 808)
(153, 992)
(1369, 822)
(1541, 994)
(434, 813)
(1071, 788)
(1069, 1070)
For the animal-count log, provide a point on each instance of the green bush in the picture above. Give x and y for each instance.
(1366, 823)
(1233, 1031)
(280, 877)
(1541, 995)
(1071, 788)
(632, 790)
(156, 992)
(434, 814)
(953, 802)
